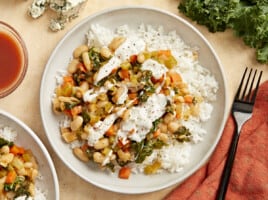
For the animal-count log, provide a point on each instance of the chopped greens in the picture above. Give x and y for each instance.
(247, 18)
(4, 142)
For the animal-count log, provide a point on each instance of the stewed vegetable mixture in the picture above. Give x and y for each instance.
(18, 171)
(123, 106)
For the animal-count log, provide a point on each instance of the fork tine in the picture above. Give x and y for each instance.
(251, 86)
(240, 85)
(256, 89)
(246, 86)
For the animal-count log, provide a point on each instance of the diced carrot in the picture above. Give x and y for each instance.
(68, 112)
(76, 110)
(11, 176)
(82, 67)
(136, 101)
(68, 79)
(132, 96)
(124, 74)
(110, 131)
(124, 173)
(166, 53)
(17, 150)
(188, 98)
(114, 70)
(124, 145)
(133, 59)
(84, 147)
(156, 133)
(178, 115)
(175, 77)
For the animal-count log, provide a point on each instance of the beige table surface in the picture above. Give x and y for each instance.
(40, 41)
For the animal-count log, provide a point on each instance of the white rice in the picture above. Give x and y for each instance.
(9, 134)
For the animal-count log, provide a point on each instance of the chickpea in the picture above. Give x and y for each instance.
(105, 52)
(101, 144)
(79, 50)
(76, 123)
(28, 165)
(98, 157)
(86, 60)
(34, 174)
(141, 58)
(80, 154)
(4, 149)
(168, 118)
(163, 127)
(173, 126)
(72, 67)
(68, 135)
(56, 105)
(6, 159)
(123, 156)
(185, 90)
(84, 136)
(116, 42)
(179, 99)
(84, 86)
(163, 137)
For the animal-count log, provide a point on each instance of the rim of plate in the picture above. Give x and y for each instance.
(196, 31)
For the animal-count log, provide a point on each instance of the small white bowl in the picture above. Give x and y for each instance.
(48, 181)
(19, 50)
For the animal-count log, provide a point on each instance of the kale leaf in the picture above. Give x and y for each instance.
(247, 18)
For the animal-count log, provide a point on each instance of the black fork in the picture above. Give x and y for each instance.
(242, 111)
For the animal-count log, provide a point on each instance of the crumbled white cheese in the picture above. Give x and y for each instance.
(37, 8)
(65, 10)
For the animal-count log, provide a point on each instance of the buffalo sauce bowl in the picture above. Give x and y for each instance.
(13, 59)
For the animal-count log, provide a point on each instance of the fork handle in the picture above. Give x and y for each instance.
(228, 166)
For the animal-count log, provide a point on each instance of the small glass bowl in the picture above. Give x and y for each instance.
(15, 36)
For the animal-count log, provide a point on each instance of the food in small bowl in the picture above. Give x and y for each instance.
(18, 170)
(26, 169)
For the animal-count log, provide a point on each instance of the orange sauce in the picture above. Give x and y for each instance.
(10, 60)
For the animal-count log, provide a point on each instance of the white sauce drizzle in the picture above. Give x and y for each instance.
(141, 118)
(91, 94)
(98, 130)
(130, 47)
(157, 69)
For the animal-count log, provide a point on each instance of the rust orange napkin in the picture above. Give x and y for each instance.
(249, 178)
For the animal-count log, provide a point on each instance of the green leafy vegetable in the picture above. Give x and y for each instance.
(145, 148)
(247, 18)
(4, 142)
(183, 134)
(20, 186)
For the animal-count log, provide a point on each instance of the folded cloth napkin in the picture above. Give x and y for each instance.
(249, 178)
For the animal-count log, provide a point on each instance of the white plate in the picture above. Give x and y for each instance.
(133, 16)
(48, 183)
